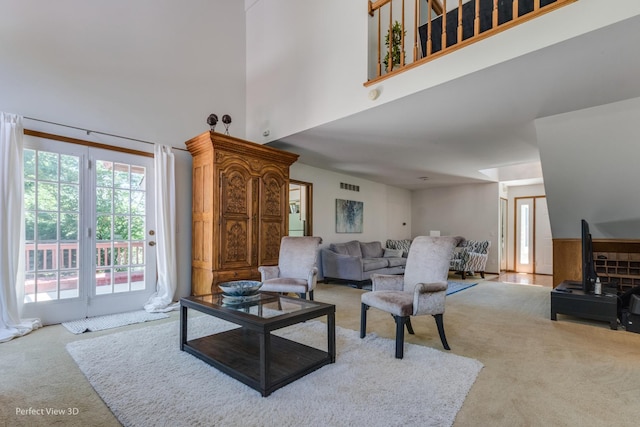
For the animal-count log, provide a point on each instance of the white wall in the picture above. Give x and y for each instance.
(590, 164)
(385, 207)
(305, 72)
(471, 211)
(147, 69)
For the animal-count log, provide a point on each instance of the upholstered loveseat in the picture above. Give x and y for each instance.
(470, 257)
(355, 261)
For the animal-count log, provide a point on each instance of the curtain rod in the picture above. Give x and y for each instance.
(89, 132)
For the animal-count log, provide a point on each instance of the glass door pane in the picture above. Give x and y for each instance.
(52, 225)
(524, 235)
(123, 256)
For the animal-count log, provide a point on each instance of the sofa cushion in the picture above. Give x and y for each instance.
(351, 248)
(392, 253)
(397, 262)
(369, 264)
(371, 250)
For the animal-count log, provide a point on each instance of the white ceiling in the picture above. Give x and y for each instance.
(154, 70)
(481, 121)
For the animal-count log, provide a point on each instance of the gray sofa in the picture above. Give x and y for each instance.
(355, 261)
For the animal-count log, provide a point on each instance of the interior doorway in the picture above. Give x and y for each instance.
(300, 208)
(533, 242)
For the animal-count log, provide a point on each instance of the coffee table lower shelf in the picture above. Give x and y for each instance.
(238, 354)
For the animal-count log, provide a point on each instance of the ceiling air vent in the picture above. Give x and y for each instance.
(351, 187)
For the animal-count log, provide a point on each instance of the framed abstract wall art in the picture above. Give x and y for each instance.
(349, 216)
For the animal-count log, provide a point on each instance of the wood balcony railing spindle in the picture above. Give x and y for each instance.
(415, 29)
(429, 27)
(379, 71)
(444, 25)
(459, 21)
(390, 61)
(402, 37)
(476, 19)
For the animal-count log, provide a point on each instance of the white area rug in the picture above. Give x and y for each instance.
(146, 380)
(111, 321)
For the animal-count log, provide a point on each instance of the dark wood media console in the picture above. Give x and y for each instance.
(568, 298)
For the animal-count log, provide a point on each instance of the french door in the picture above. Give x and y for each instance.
(534, 248)
(89, 231)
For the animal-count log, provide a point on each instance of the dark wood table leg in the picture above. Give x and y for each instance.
(265, 361)
(331, 336)
(183, 327)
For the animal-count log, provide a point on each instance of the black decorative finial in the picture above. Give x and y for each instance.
(212, 120)
(226, 119)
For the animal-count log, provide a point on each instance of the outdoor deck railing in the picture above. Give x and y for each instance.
(53, 256)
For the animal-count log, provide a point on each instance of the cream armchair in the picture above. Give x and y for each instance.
(422, 289)
(297, 269)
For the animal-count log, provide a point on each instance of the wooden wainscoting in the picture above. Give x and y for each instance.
(615, 259)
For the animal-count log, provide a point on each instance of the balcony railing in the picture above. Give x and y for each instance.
(426, 32)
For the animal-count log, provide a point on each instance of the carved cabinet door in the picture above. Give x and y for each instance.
(237, 218)
(273, 218)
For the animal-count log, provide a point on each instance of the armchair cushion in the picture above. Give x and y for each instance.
(287, 284)
(398, 303)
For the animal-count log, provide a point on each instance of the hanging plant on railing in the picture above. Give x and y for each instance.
(394, 36)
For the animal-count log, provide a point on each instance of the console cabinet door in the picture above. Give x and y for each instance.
(273, 217)
(237, 218)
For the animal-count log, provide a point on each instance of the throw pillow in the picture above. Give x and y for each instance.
(393, 253)
(400, 244)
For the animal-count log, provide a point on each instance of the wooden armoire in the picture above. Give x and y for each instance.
(240, 208)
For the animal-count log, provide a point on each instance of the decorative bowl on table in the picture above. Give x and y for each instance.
(240, 288)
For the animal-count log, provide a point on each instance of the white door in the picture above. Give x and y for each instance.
(543, 240)
(534, 245)
(524, 235)
(73, 269)
(123, 233)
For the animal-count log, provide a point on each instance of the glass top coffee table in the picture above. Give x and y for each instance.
(250, 353)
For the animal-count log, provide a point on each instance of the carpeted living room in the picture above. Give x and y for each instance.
(122, 194)
(534, 371)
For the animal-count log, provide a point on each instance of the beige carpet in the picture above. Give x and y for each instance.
(536, 372)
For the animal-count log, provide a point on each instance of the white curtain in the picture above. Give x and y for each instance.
(165, 192)
(12, 226)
